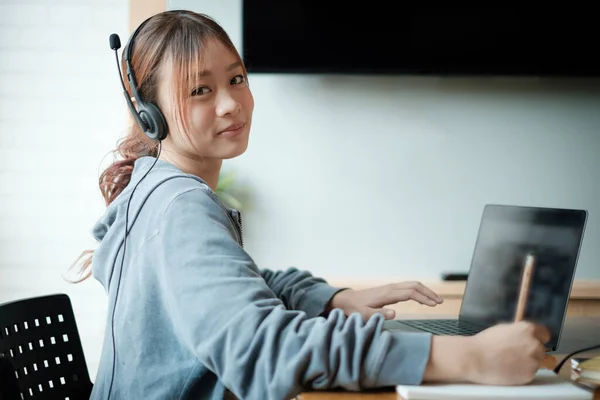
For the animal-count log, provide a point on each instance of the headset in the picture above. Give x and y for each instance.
(148, 116)
(153, 123)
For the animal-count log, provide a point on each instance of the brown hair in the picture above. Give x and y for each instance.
(178, 37)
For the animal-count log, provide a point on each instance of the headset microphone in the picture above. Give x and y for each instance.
(115, 44)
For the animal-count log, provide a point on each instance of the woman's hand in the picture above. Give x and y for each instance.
(505, 354)
(373, 300)
(509, 354)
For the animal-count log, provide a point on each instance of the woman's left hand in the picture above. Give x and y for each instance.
(373, 300)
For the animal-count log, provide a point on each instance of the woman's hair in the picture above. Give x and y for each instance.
(177, 37)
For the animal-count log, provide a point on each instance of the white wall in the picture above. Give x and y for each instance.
(386, 177)
(59, 116)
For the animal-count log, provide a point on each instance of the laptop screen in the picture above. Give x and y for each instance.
(507, 234)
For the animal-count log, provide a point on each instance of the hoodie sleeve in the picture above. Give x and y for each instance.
(300, 290)
(233, 322)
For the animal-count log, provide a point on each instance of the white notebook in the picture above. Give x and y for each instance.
(546, 385)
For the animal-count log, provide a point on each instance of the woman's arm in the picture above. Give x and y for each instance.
(233, 322)
(299, 290)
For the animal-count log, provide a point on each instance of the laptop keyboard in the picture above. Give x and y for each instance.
(445, 326)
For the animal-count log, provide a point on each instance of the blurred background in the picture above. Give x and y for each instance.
(356, 178)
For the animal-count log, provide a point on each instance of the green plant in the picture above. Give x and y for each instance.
(230, 192)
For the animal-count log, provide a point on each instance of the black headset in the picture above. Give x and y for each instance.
(148, 116)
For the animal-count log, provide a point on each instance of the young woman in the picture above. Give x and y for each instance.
(190, 314)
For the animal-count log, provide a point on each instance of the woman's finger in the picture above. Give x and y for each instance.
(423, 289)
(429, 293)
(417, 296)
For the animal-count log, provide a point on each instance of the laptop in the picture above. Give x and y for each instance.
(507, 235)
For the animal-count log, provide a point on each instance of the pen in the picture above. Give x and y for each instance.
(549, 361)
(525, 284)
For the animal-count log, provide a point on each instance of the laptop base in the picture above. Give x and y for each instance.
(452, 327)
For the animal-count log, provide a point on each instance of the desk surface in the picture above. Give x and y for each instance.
(390, 394)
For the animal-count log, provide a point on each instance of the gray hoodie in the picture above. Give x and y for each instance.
(195, 318)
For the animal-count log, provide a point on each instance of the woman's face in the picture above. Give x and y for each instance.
(219, 109)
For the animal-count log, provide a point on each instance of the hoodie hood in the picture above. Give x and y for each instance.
(109, 230)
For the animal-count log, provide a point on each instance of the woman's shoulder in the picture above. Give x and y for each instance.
(188, 205)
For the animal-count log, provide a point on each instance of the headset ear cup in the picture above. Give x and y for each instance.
(154, 118)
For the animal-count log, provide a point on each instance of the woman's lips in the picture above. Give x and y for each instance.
(232, 130)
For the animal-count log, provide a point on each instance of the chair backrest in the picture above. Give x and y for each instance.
(39, 337)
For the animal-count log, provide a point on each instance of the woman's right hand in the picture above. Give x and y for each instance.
(507, 354)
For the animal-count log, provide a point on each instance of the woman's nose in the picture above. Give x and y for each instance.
(227, 104)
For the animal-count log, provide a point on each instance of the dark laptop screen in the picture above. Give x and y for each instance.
(506, 235)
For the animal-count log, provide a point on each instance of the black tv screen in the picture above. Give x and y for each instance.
(394, 37)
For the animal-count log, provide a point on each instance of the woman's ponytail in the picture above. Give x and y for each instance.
(113, 181)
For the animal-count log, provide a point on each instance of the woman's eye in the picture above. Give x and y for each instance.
(200, 90)
(238, 79)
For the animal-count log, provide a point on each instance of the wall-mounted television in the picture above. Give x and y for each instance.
(397, 37)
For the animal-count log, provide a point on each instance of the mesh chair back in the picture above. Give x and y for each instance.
(39, 337)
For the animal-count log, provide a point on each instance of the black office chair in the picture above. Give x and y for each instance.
(40, 350)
